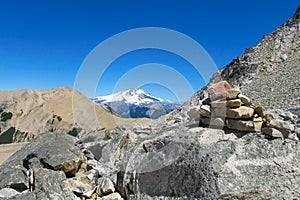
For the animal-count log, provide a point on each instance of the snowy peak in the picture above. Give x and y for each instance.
(130, 96)
(136, 103)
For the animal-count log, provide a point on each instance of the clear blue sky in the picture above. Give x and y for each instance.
(43, 43)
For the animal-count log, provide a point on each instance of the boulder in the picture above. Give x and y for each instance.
(233, 103)
(174, 164)
(241, 125)
(273, 132)
(232, 93)
(217, 122)
(52, 184)
(297, 131)
(45, 163)
(242, 112)
(205, 120)
(258, 110)
(281, 125)
(105, 186)
(257, 119)
(194, 113)
(80, 187)
(245, 100)
(113, 196)
(219, 88)
(8, 193)
(205, 111)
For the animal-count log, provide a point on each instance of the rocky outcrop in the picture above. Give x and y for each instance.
(202, 163)
(53, 166)
(175, 161)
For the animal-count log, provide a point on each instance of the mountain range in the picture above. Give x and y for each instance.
(28, 113)
(136, 103)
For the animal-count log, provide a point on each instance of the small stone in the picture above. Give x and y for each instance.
(219, 104)
(219, 111)
(8, 193)
(287, 115)
(232, 93)
(242, 112)
(234, 103)
(205, 111)
(219, 88)
(113, 196)
(194, 113)
(206, 101)
(245, 100)
(217, 123)
(283, 57)
(257, 119)
(297, 131)
(105, 186)
(273, 132)
(259, 110)
(79, 187)
(282, 125)
(293, 136)
(205, 120)
(241, 125)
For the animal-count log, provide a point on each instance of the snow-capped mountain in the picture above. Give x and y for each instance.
(136, 103)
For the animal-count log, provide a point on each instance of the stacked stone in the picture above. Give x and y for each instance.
(280, 128)
(227, 107)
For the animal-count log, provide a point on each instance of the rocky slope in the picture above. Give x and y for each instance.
(27, 113)
(178, 162)
(269, 72)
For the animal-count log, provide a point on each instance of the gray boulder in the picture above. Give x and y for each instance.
(42, 166)
(202, 163)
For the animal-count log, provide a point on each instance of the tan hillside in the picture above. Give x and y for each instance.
(25, 113)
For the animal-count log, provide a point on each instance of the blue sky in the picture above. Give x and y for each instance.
(44, 43)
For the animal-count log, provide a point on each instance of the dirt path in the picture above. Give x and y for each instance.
(6, 150)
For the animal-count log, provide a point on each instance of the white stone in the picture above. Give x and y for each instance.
(245, 100)
(241, 125)
(273, 132)
(8, 193)
(280, 124)
(113, 196)
(105, 186)
(242, 112)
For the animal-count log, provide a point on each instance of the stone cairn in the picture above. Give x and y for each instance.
(227, 107)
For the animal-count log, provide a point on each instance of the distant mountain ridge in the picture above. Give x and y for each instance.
(136, 103)
(24, 114)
